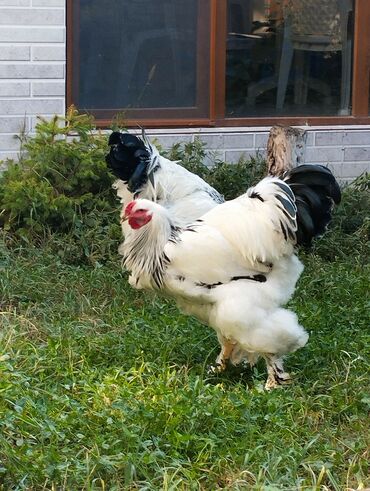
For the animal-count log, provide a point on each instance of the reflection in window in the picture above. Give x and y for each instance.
(288, 57)
(135, 53)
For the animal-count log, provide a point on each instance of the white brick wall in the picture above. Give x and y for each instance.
(346, 150)
(32, 82)
(32, 66)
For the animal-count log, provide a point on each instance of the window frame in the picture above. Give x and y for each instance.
(216, 90)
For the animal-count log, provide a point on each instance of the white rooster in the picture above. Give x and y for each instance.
(143, 173)
(236, 267)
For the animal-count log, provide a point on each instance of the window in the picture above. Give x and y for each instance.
(146, 58)
(289, 58)
(219, 62)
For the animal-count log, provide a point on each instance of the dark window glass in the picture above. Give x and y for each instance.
(137, 54)
(289, 57)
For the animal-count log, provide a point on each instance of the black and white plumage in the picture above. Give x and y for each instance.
(236, 267)
(143, 173)
(315, 190)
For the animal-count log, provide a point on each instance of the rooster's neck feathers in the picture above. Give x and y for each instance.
(143, 249)
(273, 191)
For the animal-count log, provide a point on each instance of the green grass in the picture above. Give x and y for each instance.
(102, 387)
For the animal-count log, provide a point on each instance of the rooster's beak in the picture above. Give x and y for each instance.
(124, 218)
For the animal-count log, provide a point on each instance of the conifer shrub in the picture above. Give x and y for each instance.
(61, 177)
(230, 179)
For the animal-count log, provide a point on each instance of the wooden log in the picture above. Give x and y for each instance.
(285, 149)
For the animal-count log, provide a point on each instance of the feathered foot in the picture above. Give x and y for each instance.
(276, 374)
(222, 359)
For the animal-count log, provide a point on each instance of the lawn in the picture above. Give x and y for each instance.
(102, 387)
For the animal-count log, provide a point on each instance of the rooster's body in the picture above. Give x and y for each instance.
(235, 267)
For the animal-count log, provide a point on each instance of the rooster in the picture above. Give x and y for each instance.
(143, 173)
(235, 267)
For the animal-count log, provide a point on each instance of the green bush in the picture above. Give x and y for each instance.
(231, 180)
(61, 190)
(61, 178)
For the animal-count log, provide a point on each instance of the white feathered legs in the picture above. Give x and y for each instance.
(230, 351)
(227, 348)
(276, 373)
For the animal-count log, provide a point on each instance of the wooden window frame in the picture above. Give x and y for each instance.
(218, 33)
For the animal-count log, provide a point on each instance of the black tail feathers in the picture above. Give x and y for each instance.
(128, 159)
(315, 190)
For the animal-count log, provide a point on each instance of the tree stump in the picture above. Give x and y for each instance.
(285, 149)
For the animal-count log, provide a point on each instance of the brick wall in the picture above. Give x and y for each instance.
(345, 149)
(32, 66)
(32, 82)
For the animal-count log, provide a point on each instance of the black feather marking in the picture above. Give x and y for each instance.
(175, 235)
(257, 277)
(256, 195)
(285, 188)
(315, 175)
(159, 270)
(209, 286)
(114, 138)
(307, 168)
(151, 177)
(292, 235)
(129, 140)
(139, 177)
(126, 153)
(283, 229)
(290, 220)
(269, 265)
(156, 269)
(193, 227)
(315, 190)
(306, 227)
(309, 195)
(215, 195)
(289, 206)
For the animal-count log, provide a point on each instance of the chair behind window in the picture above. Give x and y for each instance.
(316, 25)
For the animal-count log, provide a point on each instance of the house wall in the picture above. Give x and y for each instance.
(32, 66)
(345, 149)
(32, 82)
